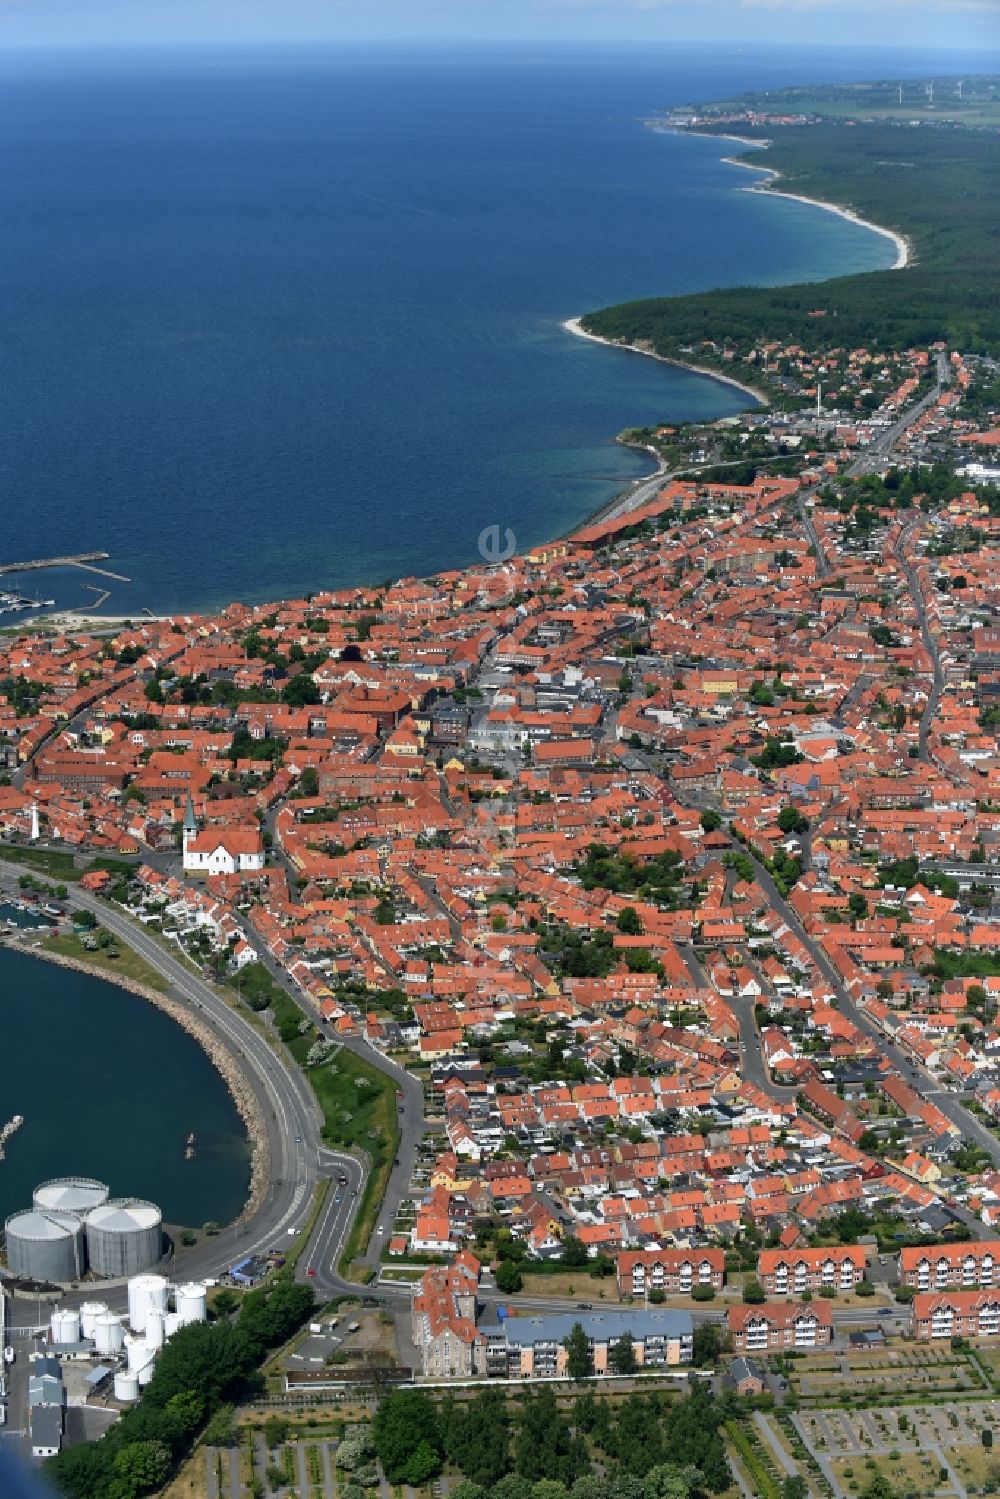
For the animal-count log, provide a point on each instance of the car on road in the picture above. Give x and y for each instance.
(381, 1228)
(585, 1306)
(310, 1271)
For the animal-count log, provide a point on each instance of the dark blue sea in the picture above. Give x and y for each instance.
(275, 321)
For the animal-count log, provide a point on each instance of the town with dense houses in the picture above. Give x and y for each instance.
(664, 855)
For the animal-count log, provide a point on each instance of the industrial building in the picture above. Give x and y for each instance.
(75, 1226)
(126, 1353)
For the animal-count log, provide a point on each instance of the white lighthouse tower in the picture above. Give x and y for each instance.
(36, 831)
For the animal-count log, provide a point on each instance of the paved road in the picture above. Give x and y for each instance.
(930, 644)
(291, 1115)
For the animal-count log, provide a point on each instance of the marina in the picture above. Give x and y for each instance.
(12, 603)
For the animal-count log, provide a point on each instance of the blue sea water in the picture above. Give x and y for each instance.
(274, 321)
(109, 1086)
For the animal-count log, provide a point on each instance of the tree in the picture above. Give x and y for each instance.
(706, 1344)
(275, 1430)
(710, 820)
(404, 1423)
(629, 923)
(579, 1354)
(573, 1253)
(143, 1465)
(857, 905)
(668, 1481)
(753, 1293)
(791, 820)
(621, 1355)
(309, 781)
(794, 1487)
(422, 1464)
(221, 1429)
(508, 1277)
(878, 1488)
(301, 691)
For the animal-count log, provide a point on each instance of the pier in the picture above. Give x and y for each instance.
(85, 560)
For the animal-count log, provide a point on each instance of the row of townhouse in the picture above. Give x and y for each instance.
(945, 1265)
(956, 1314)
(776, 1327)
(676, 1271)
(784, 1272)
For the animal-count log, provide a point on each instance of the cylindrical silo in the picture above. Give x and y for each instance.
(70, 1194)
(109, 1335)
(171, 1324)
(154, 1327)
(146, 1372)
(65, 1326)
(126, 1385)
(137, 1353)
(45, 1246)
(124, 1237)
(145, 1292)
(89, 1313)
(191, 1301)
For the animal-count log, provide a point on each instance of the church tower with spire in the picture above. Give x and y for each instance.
(190, 831)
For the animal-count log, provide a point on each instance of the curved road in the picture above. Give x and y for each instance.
(292, 1119)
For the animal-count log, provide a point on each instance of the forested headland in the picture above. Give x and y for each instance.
(938, 186)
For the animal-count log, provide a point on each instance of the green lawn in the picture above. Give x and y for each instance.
(59, 864)
(127, 965)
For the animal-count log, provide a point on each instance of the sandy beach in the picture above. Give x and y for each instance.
(574, 326)
(904, 249)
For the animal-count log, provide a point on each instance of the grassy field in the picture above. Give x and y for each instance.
(58, 864)
(127, 965)
(912, 1472)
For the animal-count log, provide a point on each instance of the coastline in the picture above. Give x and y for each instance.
(244, 1098)
(904, 247)
(573, 325)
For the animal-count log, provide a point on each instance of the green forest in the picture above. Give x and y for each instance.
(649, 1446)
(939, 187)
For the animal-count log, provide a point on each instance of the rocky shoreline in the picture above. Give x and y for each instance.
(243, 1096)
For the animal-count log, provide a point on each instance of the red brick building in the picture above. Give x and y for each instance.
(956, 1314)
(676, 1271)
(775, 1327)
(950, 1266)
(784, 1272)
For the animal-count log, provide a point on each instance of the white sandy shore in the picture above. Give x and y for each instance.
(573, 325)
(78, 622)
(903, 246)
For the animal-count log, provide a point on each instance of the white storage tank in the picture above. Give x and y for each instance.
(146, 1372)
(45, 1246)
(124, 1237)
(155, 1320)
(65, 1326)
(145, 1293)
(109, 1335)
(136, 1353)
(70, 1194)
(171, 1324)
(89, 1313)
(191, 1301)
(126, 1385)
